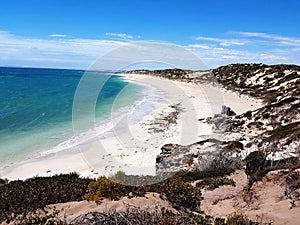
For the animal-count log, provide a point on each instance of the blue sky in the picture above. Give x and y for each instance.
(74, 33)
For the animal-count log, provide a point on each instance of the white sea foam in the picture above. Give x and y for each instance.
(128, 79)
(134, 114)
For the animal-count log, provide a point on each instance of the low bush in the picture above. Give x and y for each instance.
(20, 197)
(257, 165)
(290, 163)
(292, 184)
(137, 180)
(177, 189)
(255, 162)
(215, 182)
(160, 217)
(182, 195)
(3, 181)
(138, 216)
(234, 145)
(106, 188)
(238, 219)
(41, 217)
(220, 165)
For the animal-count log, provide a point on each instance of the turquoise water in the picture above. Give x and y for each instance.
(36, 108)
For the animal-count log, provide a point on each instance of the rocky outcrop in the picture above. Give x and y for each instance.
(174, 157)
(269, 83)
(273, 128)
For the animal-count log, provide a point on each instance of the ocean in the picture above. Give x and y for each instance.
(36, 109)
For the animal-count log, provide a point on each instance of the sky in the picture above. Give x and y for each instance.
(75, 33)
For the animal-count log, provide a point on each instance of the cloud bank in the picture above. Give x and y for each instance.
(243, 47)
(61, 51)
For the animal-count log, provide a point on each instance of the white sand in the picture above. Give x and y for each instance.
(132, 148)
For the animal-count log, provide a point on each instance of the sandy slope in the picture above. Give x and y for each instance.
(265, 201)
(150, 203)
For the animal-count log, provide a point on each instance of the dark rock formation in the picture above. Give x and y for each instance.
(227, 111)
(174, 157)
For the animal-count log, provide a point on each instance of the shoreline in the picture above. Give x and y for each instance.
(131, 148)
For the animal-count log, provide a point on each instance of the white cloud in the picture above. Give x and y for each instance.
(66, 52)
(58, 35)
(78, 53)
(272, 38)
(223, 42)
(199, 46)
(243, 47)
(120, 35)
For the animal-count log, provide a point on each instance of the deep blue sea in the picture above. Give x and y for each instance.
(36, 108)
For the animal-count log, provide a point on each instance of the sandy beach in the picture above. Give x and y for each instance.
(133, 147)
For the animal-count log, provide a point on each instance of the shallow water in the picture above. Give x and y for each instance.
(36, 109)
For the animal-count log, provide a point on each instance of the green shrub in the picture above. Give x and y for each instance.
(290, 131)
(136, 180)
(238, 219)
(20, 197)
(158, 217)
(181, 194)
(3, 181)
(255, 162)
(292, 184)
(220, 221)
(215, 182)
(177, 189)
(45, 219)
(190, 176)
(271, 99)
(234, 145)
(290, 163)
(105, 188)
(139, 216)
(256, 167)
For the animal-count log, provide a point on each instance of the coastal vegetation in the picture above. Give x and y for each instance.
(162, 217)
(177, 189)
(31, 197)
(142, 217)
(24, 201)
(215, 182)
(21, 197)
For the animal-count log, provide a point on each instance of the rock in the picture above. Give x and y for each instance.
(167, 148)
(2, 182)
(159, 159)
(227, 111)
(174, 157)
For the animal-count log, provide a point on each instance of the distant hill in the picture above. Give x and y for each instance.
(270, 83)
